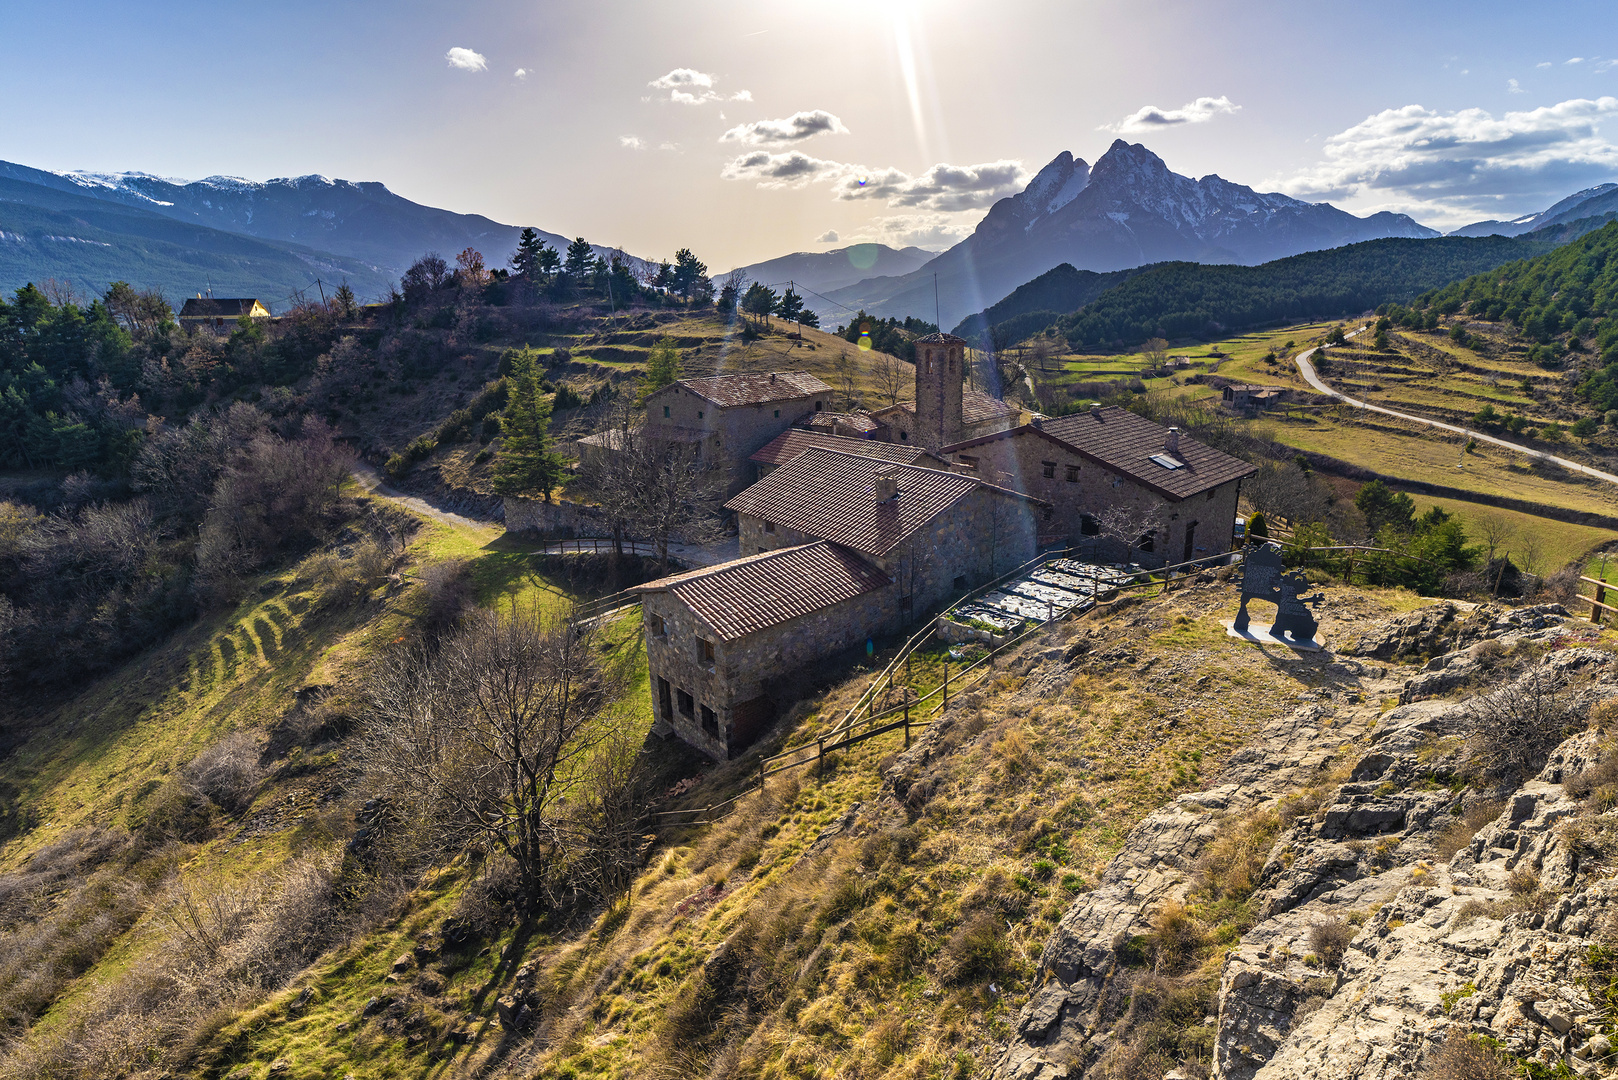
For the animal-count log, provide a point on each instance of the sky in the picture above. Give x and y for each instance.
(747, 130)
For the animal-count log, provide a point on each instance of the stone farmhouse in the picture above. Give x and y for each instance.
(1184, 491)
(789, 444)
(837, 548)
(1247, 399)
(726, 418)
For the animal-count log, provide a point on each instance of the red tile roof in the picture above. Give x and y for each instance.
(748, 595)
(858, 421)
(1126, 444)
(789, 444)
(730, 390)
(832, 495)
(976, 407)
(940, 339)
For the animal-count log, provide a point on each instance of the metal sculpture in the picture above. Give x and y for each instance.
(1264, 577)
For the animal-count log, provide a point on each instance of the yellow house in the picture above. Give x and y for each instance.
(206, 313)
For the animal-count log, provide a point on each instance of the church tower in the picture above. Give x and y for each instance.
(940, 376)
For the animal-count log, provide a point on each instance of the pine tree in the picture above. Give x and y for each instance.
(790, 306)
(526, 463)
(662, 368)
(343, 301)
(579, 262)
(529, 261)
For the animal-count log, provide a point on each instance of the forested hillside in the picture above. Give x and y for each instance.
(1039, 303)
(1176, 300)
(1561, 302)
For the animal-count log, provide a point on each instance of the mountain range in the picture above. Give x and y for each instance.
(1127, 210)
(1593, 202)
(824, 271)
(307, 227)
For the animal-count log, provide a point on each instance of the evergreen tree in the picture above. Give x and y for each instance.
(690, 278)
(1382, 507)
(529, 262)
(526, 464)
(759, 299)
(579, 262)
(662, 368)
(343, 302)
(790, 306)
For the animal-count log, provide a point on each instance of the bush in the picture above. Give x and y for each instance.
(227, 773)
(977, 950)
(566, 397)
(419, 450)
(1460, 833)
(1466, 1057)
(1329, 940)
(1514, 729)
(1586, 427)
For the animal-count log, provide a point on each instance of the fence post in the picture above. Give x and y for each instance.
(761, 775)
(946, 682)
(907, 716)
(820, 761)
(1595, 608)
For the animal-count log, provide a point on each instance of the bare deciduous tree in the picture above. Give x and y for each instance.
(1130, 526)
(653, 489)
(1516, 727)
(1156, 351)
(891, 377)
(489, 743)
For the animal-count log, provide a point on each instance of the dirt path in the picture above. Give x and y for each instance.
(371, 480)
(1307, 370)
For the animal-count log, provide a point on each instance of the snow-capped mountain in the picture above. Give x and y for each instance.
(1591, 202)
(1128, 210)
(364, 220)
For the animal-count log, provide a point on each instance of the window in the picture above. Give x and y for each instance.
(665, 412)
(654, 625)
(710, 722)
(1072, 474)
(705, 651)
(952, 363)
(778, 414)
(1088, 526)
(966, 462)
(819, 407)
(688, 704)
(665, 699)
(904, 436)
(1047, 469)
(769, 526)
(699, 414)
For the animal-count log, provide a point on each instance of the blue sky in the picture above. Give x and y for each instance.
(744, 130)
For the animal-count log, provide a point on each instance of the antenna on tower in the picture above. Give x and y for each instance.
(937, 317)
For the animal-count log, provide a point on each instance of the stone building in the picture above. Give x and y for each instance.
(725, 417)
(1183, 491)
(945, 409)
(716, 638)
(837, 548)
(789, 444)
(1247, 400)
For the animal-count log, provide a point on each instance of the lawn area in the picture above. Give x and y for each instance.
(1558, 542)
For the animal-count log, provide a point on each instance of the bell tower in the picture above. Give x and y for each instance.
(940, 377)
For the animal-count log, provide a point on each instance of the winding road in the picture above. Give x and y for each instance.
(1307, 370)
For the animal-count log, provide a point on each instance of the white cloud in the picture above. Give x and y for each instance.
(794, 128)
(631, 142)
(827, 237)
(932, 231)
(943, 188)
(688, 86)
(1573, 60)
(1151, 118)
(672, 146)
(466, 59)
(1456, 167)
(1513, 86)
(520, 73)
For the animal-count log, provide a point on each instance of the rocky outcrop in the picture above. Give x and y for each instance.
(1380, 928)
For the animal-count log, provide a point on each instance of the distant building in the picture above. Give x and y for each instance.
(206, 313)
(837, 548)
(726, 418)
(945, 410)
(789, 444)
(1105, 457)
(1247, 400)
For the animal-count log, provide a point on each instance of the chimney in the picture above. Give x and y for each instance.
(887, 484)
(772, 376)
(1095, 409)
(1172, 443)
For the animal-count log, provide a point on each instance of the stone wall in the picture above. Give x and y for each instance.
(739, 432)
(554, 520)
(1078, 486)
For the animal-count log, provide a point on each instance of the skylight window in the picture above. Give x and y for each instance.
(1167, 462)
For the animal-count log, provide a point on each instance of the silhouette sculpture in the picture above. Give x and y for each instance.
(1264, 578)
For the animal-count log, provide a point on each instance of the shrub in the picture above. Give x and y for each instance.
(419, 450)
(1460, 833)
(227, 772)
(1466, 1057)
(1329, 940)
(977, 950)
(1514, 729)
(566, 397)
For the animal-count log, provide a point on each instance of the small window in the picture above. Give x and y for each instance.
(665, 412)
(665, 699)
(710, 722)
(960, 582)
(699, 414)
(1088, 526)
(952, 363)
(1072, 474)
(966, 462)
(769, 526)
(688, 704)
(1048, 469)
(904, 436)
(654, 625)
(778, 414)
(705, 651)
(819, 407)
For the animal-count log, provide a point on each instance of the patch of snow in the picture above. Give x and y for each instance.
(1070, 190)
(229, 183)
(1120, 216)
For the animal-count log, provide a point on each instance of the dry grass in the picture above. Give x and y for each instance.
(1465, 1058)
(1459, 833)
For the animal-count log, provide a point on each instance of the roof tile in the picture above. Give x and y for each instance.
(727, 391)
(794, 441)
